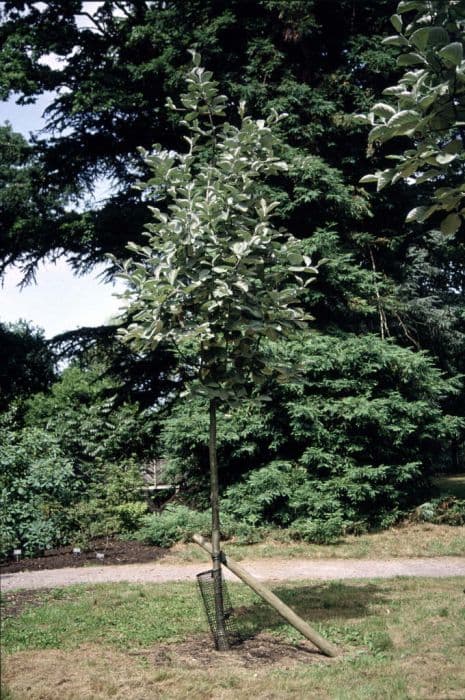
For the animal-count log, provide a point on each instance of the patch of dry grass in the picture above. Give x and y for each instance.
(408, 540)
(93, 673)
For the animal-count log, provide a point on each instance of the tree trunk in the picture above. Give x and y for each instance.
(222, 640)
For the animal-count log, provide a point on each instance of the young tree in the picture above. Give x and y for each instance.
(215, 273)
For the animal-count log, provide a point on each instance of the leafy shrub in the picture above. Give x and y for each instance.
(177, 523)
(130, 515)
(248, 534)
(82, 413)
(49, 499)
(37, 482)
(445, 511)
(265, 495)
(116, 483)
(97, 518)
(319, 531)
(113, 504)
(88, 519)
(280, 494)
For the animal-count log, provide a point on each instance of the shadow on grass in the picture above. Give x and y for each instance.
(451, 485)
(321, 603)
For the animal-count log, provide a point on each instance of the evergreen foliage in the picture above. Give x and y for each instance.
(111, 92)
(176, 523)
(34, 221)
(82, 411)
(354, 443)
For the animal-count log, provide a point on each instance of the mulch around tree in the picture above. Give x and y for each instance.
(262, 649)
(115, 551)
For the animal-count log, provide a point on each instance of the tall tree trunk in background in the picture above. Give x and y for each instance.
(222, 640)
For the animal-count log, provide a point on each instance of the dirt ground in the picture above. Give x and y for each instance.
(116, 552)
(262, 649)
(265, 569)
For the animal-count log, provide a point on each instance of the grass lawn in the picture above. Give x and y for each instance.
(400, 638)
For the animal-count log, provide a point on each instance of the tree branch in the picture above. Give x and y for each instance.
(383, 326)
(97, 24)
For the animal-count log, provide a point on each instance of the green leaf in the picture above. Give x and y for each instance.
(429, 36)
(395, 90)
(378, 133)
(452, 53)
(384, 178)
(451, 224)
(396, 21)
(427, 101)
(445, 158)
(239, 248)
(405, 119)
(240, 284)
(368, 178)
(381, 109)
(455, 146)
(428, 175)
(416, 214)
(405, 116)
(408, 5)
(410, 59)
(395, 41)
(420, 38)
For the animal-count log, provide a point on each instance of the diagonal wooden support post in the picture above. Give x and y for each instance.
(284, 610)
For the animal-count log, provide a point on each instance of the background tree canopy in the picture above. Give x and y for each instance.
(398, 283)
(119, 69)
(27, 364)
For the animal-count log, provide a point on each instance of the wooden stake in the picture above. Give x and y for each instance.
(284, 610)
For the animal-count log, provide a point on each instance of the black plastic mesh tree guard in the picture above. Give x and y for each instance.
(207, 584)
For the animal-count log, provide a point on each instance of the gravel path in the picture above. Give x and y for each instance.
(264, 569)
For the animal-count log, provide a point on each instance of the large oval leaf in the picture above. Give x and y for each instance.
(452, 53)
(410, 59)
(451, 224)
(429, 36)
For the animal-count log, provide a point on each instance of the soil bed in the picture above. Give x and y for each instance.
(115, 551)
(262, 649)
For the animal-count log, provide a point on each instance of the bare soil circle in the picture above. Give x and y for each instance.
(263, 649)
